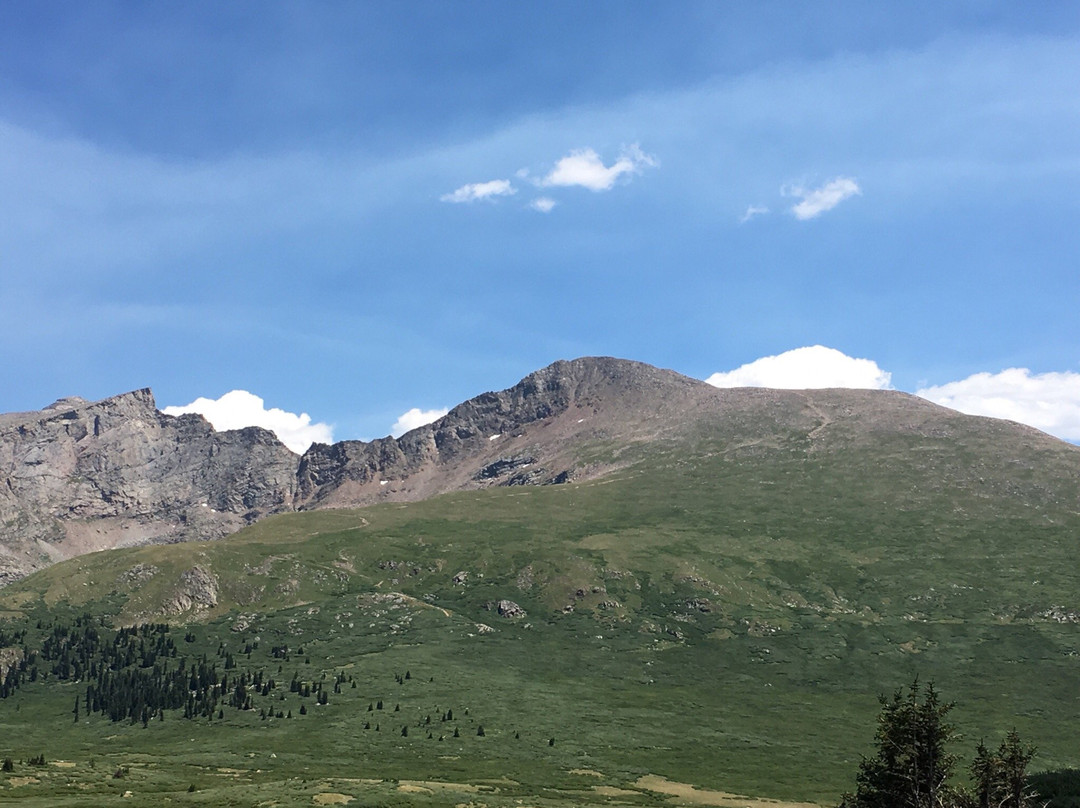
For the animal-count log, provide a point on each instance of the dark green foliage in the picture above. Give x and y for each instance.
(911, 766)
(1000, 777)
(1057, 789)
(8, 765)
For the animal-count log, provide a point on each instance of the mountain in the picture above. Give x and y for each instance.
(84, 476)
(715, 593)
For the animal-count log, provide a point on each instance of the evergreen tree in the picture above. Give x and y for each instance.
(1001, 777)
(911, 766)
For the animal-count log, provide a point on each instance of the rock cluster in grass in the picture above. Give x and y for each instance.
(506, 608)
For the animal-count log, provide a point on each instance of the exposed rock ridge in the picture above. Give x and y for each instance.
(81, 476)
(491, 428)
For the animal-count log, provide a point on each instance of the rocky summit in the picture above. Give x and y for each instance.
(83, 476)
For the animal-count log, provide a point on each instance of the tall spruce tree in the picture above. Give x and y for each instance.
(911, 766)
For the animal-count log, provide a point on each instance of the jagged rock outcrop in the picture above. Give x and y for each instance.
(528, 434)
(80, 476)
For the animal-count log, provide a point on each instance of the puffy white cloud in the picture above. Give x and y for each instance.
(239, 408)
(804, 368)
(1046, 401)
(585, 168)
(816, 201)
(480, 190)
(752, 211)
(544, 204)
(414, 418)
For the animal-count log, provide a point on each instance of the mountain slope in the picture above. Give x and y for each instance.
(721, 608)
(82, 476)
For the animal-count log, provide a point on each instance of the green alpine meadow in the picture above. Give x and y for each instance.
(708, 613)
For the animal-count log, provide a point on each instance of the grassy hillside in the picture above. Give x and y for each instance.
(723, 612)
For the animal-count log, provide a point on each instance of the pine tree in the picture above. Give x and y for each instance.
(911, 767)
(1001, 777)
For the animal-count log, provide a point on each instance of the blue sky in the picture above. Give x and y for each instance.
(351, 210)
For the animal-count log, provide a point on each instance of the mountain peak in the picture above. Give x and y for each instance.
(82, 476)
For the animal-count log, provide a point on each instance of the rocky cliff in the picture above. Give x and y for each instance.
(81, 476)
(531, 433)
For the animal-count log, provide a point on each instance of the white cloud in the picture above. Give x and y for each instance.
(239, 408)
(585, 168)
(544, 204)
(1046, 401)
(751, 212)
(414, 418)
(818, 200)
(480, 190)
(805, 368)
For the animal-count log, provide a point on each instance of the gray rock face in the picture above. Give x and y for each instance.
(515, 437)
(80, 476)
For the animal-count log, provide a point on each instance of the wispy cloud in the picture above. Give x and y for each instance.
(805, 368)
(583, 167)
(414, 418)
(752, 211)
(814, 202)
(544, 204)
(480, 190)
(239, 408)
(1046, 401)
